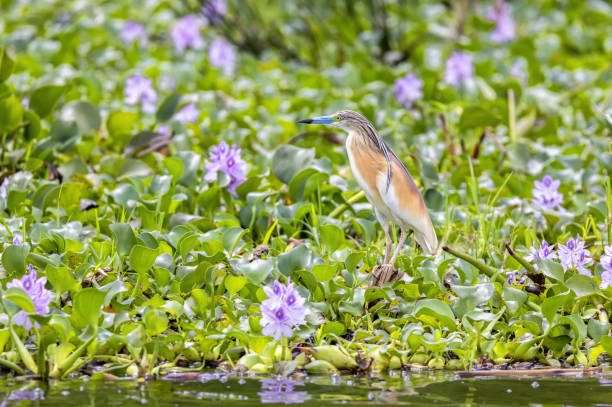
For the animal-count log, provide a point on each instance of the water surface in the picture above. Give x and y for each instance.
(409, 389)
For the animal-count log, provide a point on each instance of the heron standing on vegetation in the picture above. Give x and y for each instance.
(387, 185)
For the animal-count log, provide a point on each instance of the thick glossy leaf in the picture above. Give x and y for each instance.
(19, 297)
(124, 237)
(288, 160)
(14, 259)
(86, 306)
(256, 271)
(142, 258)
(437, 309)
(581, 285)
(44, 99)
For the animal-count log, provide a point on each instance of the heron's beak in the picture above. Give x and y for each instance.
(318, 120)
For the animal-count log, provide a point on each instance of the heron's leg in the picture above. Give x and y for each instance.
(400, 244)
(388, 241)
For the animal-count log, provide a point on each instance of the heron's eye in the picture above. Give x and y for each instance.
(338, 117)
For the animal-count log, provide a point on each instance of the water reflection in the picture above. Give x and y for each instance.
(282, 391)
(23, 394)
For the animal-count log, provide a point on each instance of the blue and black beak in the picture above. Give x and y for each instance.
(318, 120)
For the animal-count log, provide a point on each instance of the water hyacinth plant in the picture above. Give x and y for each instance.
(179, 219)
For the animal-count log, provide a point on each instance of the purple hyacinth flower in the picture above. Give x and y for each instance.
(186, 33)
(281, 391)
(226, 159)
(408, 90)
(188, 114)
(282, 311)
(276, 323)
(133, 32)
(222, 55)
(459, 69)
(573, 255)
(544, 252)
(504, 24)
(35, 289)
(139, 90)
(546, 194)
(606, 263)
(214, 10)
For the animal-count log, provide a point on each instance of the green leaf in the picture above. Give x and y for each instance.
(581, 285)
(86, 307)
(168, 107)
(298, 258)
(476, 116)
(332, 237)
(120, 125)
(11, 113)
(552, 270)
(6, 65)
(288, 160)
(552, 305)
(333, 327)
(324, 272)
(233, 284)
(18, 297)
(61, 279)
(87, 117)
(256, 271)
(435, 308)
(577, 324)
(142, 258)
(514, 298)
(155, 321)
(44, 99)
(14, 259)
(124, 237)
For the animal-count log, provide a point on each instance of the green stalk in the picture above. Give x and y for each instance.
(62, 368)
(25, 356)
(12, 366)
(341, 208)
(511, 115)
(489, 271)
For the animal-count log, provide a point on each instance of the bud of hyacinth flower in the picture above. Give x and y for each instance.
(186, 33)
(574, 255)
(17, 241)
(133, 32)
(544, 252)
(282, 311)
(408, 90)
(222, 55)
(546, 194)
(226, 159)
(459, 69)
(606, 263)
(138, 90)
(504, 24)
(35, 289)
(188, 114)
(214, 10)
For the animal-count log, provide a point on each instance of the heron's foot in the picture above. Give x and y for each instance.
(384, 273)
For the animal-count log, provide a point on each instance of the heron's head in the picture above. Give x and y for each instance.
(345, 119)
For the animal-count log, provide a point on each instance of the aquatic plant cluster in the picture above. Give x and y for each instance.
(161, 211)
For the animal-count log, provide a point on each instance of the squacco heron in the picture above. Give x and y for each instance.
(387, 185)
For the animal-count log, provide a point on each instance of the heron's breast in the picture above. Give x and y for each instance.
(366, 165)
